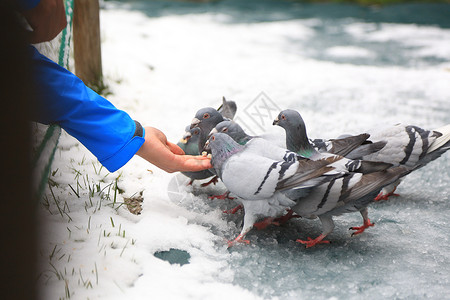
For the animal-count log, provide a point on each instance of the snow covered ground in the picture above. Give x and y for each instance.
(344, 73)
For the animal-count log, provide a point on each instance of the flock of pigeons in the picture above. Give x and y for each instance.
(303, 177)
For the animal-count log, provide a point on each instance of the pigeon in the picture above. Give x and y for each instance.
(227, 109)
(297, 139)
(268, 149)
(234, 130)
(349, 193)
(410, 146)
(260, 182)
(206, 119)
(260, 145)
(406, 145)
(189, 144)
(194, 139)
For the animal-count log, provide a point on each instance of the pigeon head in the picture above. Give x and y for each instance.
(206, 118)
(296, 137)
(222, 147)
(234, 130)
(186, 136)
(190, 141)
(290, 118)
(192, 134)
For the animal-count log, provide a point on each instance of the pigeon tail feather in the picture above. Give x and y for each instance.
(442, 141)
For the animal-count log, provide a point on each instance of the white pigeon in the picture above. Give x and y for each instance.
(259, 181)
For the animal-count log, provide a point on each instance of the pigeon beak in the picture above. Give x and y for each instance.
(186, 137)
(214, 130)
(276, 121)
(207, 146)
(195, 122)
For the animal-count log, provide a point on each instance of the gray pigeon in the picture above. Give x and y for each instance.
(207, 118)
(196, 135)
(189, 144)
(350, 193)
(233, 129)
(260, 145)
(227, 109)
(268, 149)
(409, 145)
(260, 182)
(297, 139)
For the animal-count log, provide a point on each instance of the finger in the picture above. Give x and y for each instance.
(191, 163)
(175, 149)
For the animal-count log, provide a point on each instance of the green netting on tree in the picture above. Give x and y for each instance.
(45, 152)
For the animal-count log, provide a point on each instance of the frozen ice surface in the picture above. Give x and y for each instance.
(345, 68)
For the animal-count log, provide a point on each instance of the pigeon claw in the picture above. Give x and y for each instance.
(381, 196)
(312, 242)
(239, 239)
(266, 222)
(287, 217)
(224, 196)
(360, 229)
(214, 180)
(234, 210)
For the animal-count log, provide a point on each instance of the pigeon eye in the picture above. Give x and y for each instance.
(283, 117)
(213, 138)
(206, 116)
(225, 129)
(196, 132)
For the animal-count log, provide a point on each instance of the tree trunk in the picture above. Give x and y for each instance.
(86, 40)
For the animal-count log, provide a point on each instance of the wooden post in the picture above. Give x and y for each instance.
(86, 42)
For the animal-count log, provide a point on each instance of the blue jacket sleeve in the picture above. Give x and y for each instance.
(109, 133)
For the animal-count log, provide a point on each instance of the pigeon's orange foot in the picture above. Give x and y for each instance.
(224, 196)
(360, 229)
(264, 223)
(312, 242)
(234, 210)
(287, 217)
(380, 196)
(239, 239)
(214, 180)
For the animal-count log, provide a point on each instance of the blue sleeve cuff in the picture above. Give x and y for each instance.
(120, 158)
